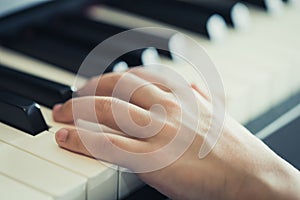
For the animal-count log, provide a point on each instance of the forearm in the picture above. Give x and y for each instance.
(282, 182)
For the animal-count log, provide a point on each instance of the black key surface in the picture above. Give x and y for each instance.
(180, 14)
(49, 49)
(21, 113)
(88, 41)
(45, 92)
(94, 32)
(57, 51)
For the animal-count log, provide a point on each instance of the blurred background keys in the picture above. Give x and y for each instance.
(273, 6)
(235, 13)
(175, 13)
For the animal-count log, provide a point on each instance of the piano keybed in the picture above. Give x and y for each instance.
(258, 65)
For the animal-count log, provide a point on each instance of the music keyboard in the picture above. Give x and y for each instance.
(259, 68)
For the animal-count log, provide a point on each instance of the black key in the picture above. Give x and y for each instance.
(45, 92)
(269, 5)
(87, 43)
(81, 27)
(49, 49)
(21, 113)
(57, 51)
(84, 27)
(181, 14)
(259, 3)
(231, 11)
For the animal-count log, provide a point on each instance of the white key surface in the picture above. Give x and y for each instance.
(40, 174)
(14, 190)
(102, 179)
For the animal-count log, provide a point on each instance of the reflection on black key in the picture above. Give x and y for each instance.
(260, 3)
(45, 92)
(177, 13)
(21, 113)
(269, 5)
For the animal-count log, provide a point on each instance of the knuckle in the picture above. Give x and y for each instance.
(169, 103)
(115, 77)
(104, 108)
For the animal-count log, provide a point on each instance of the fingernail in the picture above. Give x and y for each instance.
(62, 135)
(57, 107)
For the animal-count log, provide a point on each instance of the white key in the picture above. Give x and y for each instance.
(40, 174)
(54, 126)
(14, 190)
(101, 178)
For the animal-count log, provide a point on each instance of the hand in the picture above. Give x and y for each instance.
(240, 166)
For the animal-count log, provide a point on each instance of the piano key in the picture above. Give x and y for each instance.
(40, 174)
(101, 180)
(235, 13)
(21, 113)
(94, 32)
(101, 177)
(60, 51)
(66, 53)
(119, 17)
(49, 49)
(273, 6)
(83, 27)
(17, 61)
(120, 67)
(292, 2)
(89, 37)
(12, 189)
(199, 22)
(49, 92)
(127, 182)
(165, 38)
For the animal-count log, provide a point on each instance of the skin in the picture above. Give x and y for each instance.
(240, 166)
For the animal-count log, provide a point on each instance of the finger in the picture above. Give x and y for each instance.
(99, 85)
(125, 86)
(195, 87)
(104, 146)
(164, 77)
(67, 139)
(96, 127)
(150, 77)
(109, 111)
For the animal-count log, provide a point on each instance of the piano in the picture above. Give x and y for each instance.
(254, 44)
